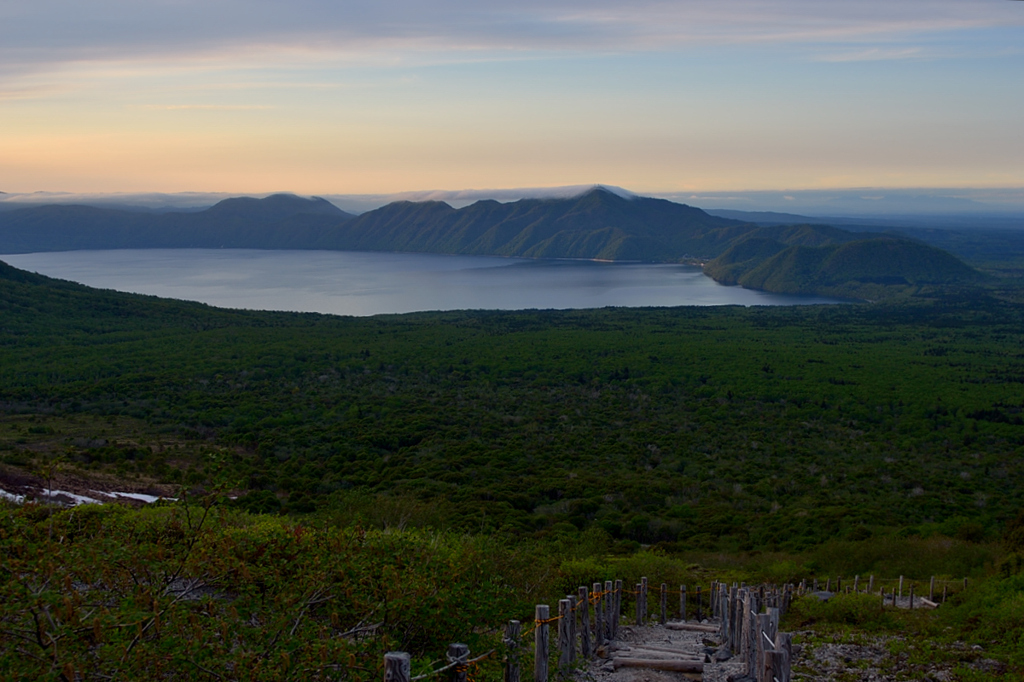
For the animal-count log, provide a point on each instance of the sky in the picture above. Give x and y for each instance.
(677, 98)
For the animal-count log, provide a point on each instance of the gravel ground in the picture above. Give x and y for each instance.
(695, 643)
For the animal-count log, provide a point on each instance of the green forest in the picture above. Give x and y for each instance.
(339, 473)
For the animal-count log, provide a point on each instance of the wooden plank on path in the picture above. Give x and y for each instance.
(675, 666)
(692, 627)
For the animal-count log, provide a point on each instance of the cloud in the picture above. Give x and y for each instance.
(47, 32)
(207, 107)
(874, 54)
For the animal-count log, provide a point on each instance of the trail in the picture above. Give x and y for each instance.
(648, 642)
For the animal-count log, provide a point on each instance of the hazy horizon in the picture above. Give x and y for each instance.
(854, 202)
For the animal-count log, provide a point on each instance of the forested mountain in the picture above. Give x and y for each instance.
(281, 221)
(596, 225)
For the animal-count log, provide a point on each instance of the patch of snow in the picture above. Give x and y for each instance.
(77, 499)
(16, 499)
(141, 497)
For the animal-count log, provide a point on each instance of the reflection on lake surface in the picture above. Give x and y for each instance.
(369, 283)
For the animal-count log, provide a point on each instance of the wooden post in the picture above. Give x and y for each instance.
(512, 644)
(643, 600)
(700, 606)
(664, 604)
(773, 620)
(459, 654)
(572, 627)
(749, 643)
(734, 611)
(564, 613)
(784, 645)
(682, 603)
(828, 584)
(713, 599)
(771, 665)
(609, 607)
(397, 667)
(931, 590)
(871, 583)
(894, 596)
(839, 583)
(901, 587)
(764, 640)
(586, 650)
(618, 609)
(598, 615)
(722, 601)
(856, 584)
(540, 643)
(911, 594)
(815, 584)
(965, 584)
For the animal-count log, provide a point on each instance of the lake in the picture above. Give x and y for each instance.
(370, 283)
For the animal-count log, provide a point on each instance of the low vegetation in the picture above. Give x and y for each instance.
(433, 475)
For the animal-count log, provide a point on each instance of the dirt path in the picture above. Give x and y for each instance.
(703, 646)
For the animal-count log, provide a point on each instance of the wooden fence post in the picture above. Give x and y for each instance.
(512, 644)
(664, 603)
(598, 615)
(682, 603)
(734, 610)
(564, 612)
(773, 621)
(901, 587)
(585, 647)
(784, 645)
(572, 627)
(540, 643)
(931, 590)
(618, 609)
(871, 583)
(643, 600)
(765, 642)
(609, 608)
(911, 594)
(397, 667)
(749, 643)
(856, 584)
(700, 606)
(459, 654)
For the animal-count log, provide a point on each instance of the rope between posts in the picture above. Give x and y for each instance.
(460, 666)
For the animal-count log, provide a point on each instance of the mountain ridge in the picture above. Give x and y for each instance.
(598, 224)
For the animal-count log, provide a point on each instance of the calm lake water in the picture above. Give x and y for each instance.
(369, 283)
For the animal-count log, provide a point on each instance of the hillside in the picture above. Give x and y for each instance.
(821, 260)
(280, 221)
(419, 479)
(598, 224)
(627, 420)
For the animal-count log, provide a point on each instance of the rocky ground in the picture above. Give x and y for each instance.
(72, 488)
(816, 659)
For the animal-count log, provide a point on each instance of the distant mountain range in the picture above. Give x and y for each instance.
(598, 224)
